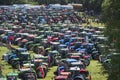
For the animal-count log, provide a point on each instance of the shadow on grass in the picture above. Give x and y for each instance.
(103, 70)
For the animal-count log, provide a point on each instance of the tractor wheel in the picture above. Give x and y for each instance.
(40, 75)
(87, 62)
(45, 71)
(12, 62)
(15, 64)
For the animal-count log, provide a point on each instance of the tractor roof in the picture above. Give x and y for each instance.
(28, 65)
(74, 68)
(12, 74)
(55, 51)
(40, 56)
(71, 60)
(75, 54)
(77, 63)
(25, 69)
(25, 53)
(21, 49)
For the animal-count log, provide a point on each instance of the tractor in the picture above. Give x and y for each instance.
(79, 74)
(53, 57)
(30, 44)
(27, 74)
(80, 56)
(41, 68)
(12, 76)
(41, 65)
(19, 57)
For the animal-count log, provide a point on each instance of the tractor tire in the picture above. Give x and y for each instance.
(87, 62)
(38, 74)
(15, 65)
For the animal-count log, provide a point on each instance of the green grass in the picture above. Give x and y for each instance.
(5, 66)
(95, 68)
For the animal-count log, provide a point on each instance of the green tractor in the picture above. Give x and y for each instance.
(41, 68)
(27, 74)
(54, 57)
(30, 44)
(35, 47)
(12, 76)
(20, 57)
(27, 45)
(39, 56)
(41, 65)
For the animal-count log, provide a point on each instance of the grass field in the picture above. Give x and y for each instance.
(94, 68)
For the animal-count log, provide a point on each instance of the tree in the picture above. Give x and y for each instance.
(111, 18)
(92, 5)
(9, 2)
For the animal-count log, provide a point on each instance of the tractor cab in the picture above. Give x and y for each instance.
(41, 68)
(54, 45)
(40, 32)
(54, 57)
(61, 46)
(64, 52)
(27, 65)
(7, 55)
(75, 54)
(9, 32)
(77, 64)
(27, 45)
(27, 74)
(12, 76)
(48, 33)
(34, 47)
(22, 43)
(22, 52)
(40, 57)
(38, 62)
(79, 73)
(71, 60)
(75, 57)
(37, 39)
(41, 50)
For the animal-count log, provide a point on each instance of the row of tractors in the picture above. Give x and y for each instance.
(70, 47)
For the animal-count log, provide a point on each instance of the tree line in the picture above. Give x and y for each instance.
(111, 18)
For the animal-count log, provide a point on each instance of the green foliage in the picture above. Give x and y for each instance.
(115, 71)
(8, 2)
(111, 12)
(93, 5)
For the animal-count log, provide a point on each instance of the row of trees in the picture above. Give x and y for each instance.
(111, 18)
